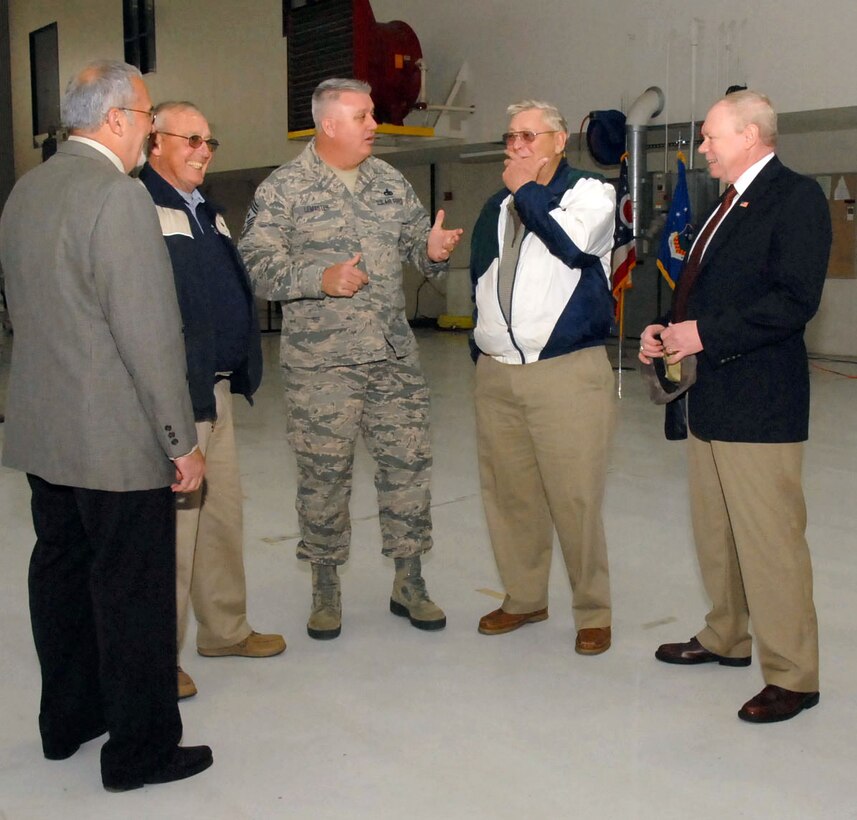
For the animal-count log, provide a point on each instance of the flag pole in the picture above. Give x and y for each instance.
(624, 257)
(621, 338)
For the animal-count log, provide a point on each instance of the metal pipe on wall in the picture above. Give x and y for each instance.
(694, 49)
(648, 105)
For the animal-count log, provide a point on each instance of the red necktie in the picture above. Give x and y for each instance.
(691, 267)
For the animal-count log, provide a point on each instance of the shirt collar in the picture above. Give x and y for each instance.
(192, 199)
(743, 182)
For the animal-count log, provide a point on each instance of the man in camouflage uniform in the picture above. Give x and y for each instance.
(326, 235)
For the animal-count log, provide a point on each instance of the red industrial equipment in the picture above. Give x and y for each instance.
(341, 38)
(385, 55)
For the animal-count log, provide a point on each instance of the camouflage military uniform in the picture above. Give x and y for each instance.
(351, 364)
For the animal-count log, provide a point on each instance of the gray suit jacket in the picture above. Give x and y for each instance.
(98, 394)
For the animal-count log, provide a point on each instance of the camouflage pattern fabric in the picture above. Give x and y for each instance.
(303, 220)
(350, 364)
(386, 401)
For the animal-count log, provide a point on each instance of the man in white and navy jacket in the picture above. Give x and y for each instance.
(545, 399)
(224, 356)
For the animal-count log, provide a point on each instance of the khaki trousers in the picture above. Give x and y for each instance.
(749, 522)
(544, 432)
(210, 538)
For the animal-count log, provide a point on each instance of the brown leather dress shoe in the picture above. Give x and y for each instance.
(592, 641)
(498, 622)
(774, 704)
(694, 652)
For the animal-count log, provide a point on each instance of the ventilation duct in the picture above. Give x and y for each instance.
(647, 106)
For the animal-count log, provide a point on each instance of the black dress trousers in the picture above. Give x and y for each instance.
(103, 612)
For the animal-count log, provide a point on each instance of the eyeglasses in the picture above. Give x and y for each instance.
(194, 140)
(525, 136)
(150, 113)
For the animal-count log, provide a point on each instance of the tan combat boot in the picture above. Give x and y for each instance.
(325, 620)
(410, 598)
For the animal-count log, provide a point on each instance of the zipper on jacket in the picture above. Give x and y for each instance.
(511, 299)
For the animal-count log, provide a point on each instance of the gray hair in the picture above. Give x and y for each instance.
(161, 112)
(550, 113)
(94, 90)
(753, 108)
(329, 90)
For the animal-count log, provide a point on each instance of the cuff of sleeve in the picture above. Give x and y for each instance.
(709, 347)
(190, 453)
(312, 282)
(432, 268)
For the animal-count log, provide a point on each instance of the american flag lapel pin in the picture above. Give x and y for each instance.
(743, 204)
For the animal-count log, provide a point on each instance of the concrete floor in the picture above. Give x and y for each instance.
(391, 722)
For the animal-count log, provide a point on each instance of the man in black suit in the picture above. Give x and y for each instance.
(741, 306)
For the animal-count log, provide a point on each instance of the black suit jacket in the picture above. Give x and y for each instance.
(759, 284)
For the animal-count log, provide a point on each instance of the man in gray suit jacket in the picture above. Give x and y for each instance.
(100, 419)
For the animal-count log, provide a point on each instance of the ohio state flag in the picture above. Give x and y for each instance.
(624, 252)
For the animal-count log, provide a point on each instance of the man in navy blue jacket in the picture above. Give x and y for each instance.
(741, 306)
(224, 356)
(545, 400)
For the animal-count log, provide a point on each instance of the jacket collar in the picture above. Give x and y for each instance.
(745, 204)
(559, 181)
(81, 149)
(317, 168)
(557, 185)
(162, 192)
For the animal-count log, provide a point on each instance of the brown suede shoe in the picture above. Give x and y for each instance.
(774, 704)
(253, 646)
(592, 641)
(498, 622)
(187, 688)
